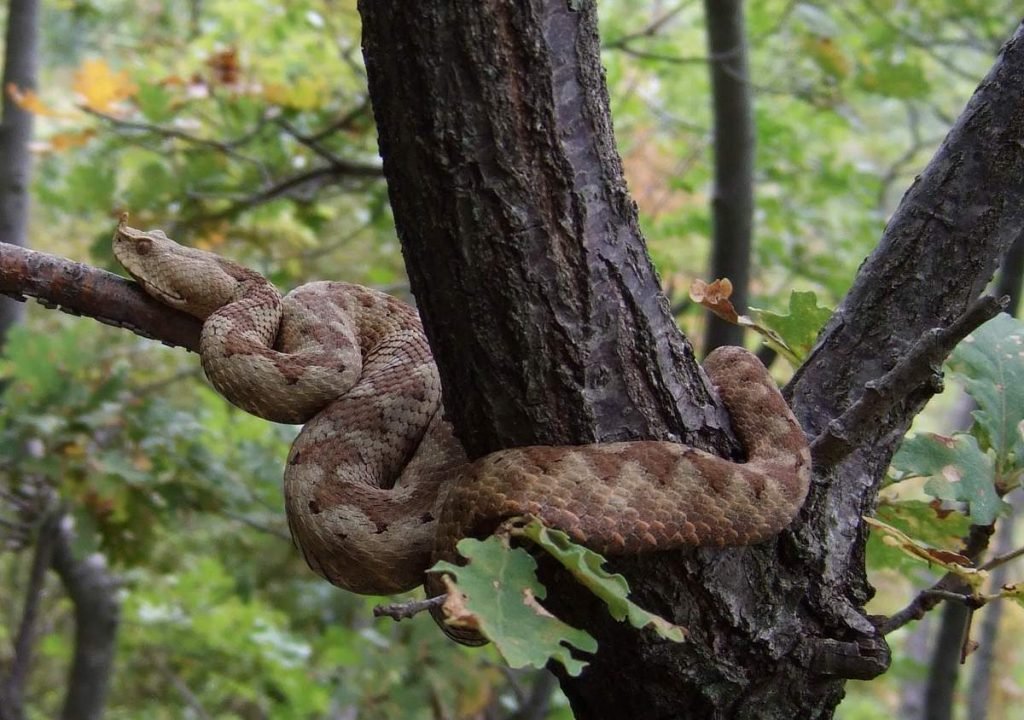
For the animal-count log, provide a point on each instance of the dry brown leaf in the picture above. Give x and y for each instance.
(715, 297)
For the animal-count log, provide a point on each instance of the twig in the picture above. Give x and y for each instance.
(257, 525)
(182, 688)
(309, 141)
(649, 30)
(344, 122)
(226, 147)
(401, 610)
(917, 367)
(320, 175)
(926, 600)
(972, 601)
(1002, 559)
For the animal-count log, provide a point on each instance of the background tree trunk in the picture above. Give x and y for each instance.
(15, 133)
(93, 591)
(732, 202)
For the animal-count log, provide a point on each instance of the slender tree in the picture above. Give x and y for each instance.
(732, 202)
(20, 61)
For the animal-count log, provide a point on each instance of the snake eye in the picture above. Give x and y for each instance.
(143, 246)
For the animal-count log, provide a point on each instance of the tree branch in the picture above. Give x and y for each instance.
(921, 365)
(80, 289)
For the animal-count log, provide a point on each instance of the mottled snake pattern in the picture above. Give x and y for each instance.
(376, 485)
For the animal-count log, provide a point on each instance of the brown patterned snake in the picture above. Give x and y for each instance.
(376, 484)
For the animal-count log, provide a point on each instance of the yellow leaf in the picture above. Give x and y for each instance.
(100, 87)
(307, 94)
(29, 101)
(65, 140)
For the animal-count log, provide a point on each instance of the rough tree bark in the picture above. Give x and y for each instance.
(15, 133)
(732, 202)
(524, 253)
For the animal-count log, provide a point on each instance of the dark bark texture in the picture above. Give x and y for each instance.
(935, 257)
(732, 203)
(507, 189)
(549, 327)
(525, 257)
(15, 134)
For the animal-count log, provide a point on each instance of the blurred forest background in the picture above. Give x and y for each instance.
(243, 127)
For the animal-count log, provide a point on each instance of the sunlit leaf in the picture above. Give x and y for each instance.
(99, 87)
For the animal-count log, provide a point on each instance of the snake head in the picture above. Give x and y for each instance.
(191, 280)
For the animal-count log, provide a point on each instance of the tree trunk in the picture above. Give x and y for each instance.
(93, 591)
(985, 665)
(548, 327)
(15, 134)
(733, 197)
(945, 664)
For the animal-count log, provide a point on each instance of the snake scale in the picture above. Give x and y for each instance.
(377, 487)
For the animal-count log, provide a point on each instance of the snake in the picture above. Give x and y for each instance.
(376, 485)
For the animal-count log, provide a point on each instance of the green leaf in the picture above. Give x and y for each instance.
(920, 520)
(958, 470)
(990, 364)
(501, 590)
(154, 101)
(586, 566)
(90, 186)
(894, 79)
(799, 329)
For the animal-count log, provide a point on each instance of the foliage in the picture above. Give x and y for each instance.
(968, 473)
(972, 470)
(497, 592)
(792, 335)
(244, 127)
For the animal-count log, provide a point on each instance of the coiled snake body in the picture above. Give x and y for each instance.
(376, 485)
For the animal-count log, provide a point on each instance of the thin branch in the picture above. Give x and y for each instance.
(80, 289)
(315, 179)
(345, 122)
(974, 546)
(308, 141)
(401, 610)
(917, 367)
(1002, 559)
(971, 601)
(257, 525)
(225, 147)
(652, 28)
